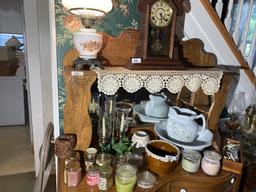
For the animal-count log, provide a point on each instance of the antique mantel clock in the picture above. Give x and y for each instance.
(159, 47)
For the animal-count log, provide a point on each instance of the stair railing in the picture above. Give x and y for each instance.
(239, 17)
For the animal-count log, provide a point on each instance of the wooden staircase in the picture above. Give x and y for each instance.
(203, 22)
(228, 19)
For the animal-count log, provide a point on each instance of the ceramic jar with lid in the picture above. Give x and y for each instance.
(73, 156)
(92, 176)
(140, 139)
(211, 162)
(73, 171)
(190, 160)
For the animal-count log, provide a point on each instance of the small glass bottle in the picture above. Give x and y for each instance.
(73, 156)
(90, 157)
(92, 176)
(211, 162)
(73, 171)
(106, 177)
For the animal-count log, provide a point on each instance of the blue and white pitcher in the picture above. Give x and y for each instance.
(157, 106)
(181, 124)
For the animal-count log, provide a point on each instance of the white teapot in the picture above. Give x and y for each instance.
(157, 106)
(181, 124)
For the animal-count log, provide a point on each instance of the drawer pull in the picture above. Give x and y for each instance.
(232, 181)
(183, 190)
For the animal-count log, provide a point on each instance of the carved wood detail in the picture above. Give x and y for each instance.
(194, 54)
(117, 51)
(76, 116)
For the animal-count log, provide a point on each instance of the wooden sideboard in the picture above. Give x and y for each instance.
(76, 118)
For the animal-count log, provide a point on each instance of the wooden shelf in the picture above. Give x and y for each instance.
(177, 179)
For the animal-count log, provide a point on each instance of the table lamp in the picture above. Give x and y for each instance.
(87, 41)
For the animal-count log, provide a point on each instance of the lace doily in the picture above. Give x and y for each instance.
(112, 78)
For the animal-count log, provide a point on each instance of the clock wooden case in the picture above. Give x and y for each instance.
(158, 46)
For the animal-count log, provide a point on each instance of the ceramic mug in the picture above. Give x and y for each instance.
(206, 135)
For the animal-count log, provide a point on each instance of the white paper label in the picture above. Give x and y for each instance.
(136, 60)
(77, 73)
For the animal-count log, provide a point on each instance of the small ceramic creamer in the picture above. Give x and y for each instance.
(181, 124)
(157, 106)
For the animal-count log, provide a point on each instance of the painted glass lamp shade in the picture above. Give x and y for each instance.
(87, 41)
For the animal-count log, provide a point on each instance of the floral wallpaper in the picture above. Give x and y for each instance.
(124, 15)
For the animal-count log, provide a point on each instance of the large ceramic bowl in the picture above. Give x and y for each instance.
(161, 156)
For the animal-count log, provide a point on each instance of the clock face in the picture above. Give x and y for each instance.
(161, 13)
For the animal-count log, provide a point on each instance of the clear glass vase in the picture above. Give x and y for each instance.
(236, 112)
(238, 104)
(123, 109)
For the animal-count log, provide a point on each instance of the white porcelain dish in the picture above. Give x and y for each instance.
(160, 129)
(139, 110)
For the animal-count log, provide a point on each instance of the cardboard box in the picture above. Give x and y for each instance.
(7, 53)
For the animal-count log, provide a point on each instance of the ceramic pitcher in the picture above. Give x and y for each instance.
(181, 124)
(157, 106)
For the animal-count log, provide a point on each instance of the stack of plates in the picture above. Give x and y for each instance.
(160, 129)
(139, 110)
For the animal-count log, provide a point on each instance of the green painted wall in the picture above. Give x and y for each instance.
(124, 15)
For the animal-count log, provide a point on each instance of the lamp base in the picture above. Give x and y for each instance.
(82, 64)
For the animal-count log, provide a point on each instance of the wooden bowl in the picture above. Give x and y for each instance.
(161, 156)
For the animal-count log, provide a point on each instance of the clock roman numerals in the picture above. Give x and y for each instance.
(161, 14)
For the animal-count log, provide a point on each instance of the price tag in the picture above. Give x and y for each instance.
(77, 73)
(136, 60)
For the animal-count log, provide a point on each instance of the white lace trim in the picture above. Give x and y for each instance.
(111, 79)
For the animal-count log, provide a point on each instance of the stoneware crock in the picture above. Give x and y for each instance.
(159, 164)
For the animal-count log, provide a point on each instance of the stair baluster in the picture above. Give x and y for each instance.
(219, 7)
(243, 44)
(236, 33)
(228, 19)
(251, 58)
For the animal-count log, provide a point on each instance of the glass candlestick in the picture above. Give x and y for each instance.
(109, 104)
(104, 130)
(94, 106)
(121, 123)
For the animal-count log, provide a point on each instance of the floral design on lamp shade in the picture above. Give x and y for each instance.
(124, 15)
